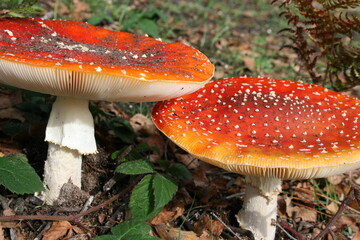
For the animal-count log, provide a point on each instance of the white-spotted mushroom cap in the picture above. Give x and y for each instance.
(266, 127)
(69, 58)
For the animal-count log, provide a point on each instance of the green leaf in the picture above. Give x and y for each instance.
(95, 20)
(179, 171)
(122, 129)
(98, 19)
(135, 167)
(138, 152)
(164, 190)
(18, 176)
(150, 195)
(142, 237)
(149, 26)
(132, 229)
(142, 199)
(108, 237)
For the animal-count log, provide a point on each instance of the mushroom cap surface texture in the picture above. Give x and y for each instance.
(72, 58)
(266, 127)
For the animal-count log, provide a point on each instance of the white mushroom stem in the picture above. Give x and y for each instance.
(71, 125)
(63, 165)
(260, 206)
(70, 133)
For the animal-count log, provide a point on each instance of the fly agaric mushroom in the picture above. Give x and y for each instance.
(267, 130)
(78, 62)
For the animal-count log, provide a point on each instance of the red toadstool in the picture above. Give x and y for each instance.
(267, 130)
(78, 62)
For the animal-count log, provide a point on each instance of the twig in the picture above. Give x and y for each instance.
(234, 195)
(87, 204)
(349, 198)
(279, 225)
(226, 226)
(326, 197)
(72, 218)
(284, 226)
(112, 181)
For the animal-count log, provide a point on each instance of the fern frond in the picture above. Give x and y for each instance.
(326, 31)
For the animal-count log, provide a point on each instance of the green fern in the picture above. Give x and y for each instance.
(327, 30)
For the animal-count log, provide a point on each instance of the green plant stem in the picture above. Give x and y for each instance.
(72, 218)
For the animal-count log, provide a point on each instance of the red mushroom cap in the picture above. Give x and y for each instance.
(83, 50)
(266, 127)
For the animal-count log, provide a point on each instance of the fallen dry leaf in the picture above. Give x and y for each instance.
(169, 233)
(335, 180)
(332, 207)
(299, 213)
(249, 62)
(345, 221)
(10, 98)
(8, 212)
(356, 236)
(8, 147)
(12, 113)
(211, 226)
(315, 232)
(111, 108)
(142, 125)
(282, 206)
(199, 178)
(219, 73)
(154, 141)
(305, 190)
(57, 230)
(189, 161)
(170, 213)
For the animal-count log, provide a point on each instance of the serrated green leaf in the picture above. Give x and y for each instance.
(164, 190)
(132, 227)
(142, 199)
(18, 176)
(179, 171)
(135, 167)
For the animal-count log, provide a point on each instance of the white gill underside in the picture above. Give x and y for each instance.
(260, 206)
(71, 125)
(93, 86)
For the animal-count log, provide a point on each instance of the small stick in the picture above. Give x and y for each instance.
(87, 204)
(349, 198)
(284, 226)
(72, 218)
(226, 226)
